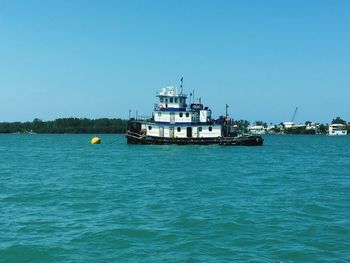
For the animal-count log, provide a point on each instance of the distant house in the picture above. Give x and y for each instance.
(337, 129)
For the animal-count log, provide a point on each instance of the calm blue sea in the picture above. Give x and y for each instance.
(65, 200)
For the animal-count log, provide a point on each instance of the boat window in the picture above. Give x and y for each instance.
(200, 129)
(161, 99)
(150, 127)
(180, 114)
(171, 100)
(180, 100)
(210, 128)
(176, 100)
(159, 114)
(187, 114)
(166, 100)
(178, 129)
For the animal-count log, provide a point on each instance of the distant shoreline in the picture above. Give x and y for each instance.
(66, 126)
(122, 133)
(53, 133)
(118, 126)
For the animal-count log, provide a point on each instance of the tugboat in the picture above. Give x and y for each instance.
(175, 122)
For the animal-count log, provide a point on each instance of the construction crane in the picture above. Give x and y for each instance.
(295, 113)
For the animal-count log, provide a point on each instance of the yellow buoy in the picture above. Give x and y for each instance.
(95, 140)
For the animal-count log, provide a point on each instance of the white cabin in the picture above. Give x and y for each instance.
(337, 129)
(173, 118)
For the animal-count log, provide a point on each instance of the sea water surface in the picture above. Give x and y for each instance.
(65, 200)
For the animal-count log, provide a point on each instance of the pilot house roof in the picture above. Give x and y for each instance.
(170, 92)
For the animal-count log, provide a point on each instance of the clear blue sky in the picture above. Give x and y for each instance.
(99, 58)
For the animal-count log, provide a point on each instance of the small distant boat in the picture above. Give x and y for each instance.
(337, 129)
(257, 129)
(175, 122)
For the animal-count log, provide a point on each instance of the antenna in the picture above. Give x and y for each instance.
(182, 82)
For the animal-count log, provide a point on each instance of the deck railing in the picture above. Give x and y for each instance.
(142, 119)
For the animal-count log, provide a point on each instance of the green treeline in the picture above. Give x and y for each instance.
(105, 125)
(66, 125)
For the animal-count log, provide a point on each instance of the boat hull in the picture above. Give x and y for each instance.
(224, 141)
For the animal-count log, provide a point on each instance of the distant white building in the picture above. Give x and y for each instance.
(337, 129)
(257, 129)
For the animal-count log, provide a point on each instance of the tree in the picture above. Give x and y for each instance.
(338, 120)
(66, 125)
(261, 123)
(323, 128)
(242, 125)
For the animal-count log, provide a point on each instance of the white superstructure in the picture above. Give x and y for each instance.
(173, 118)
(337, 129)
